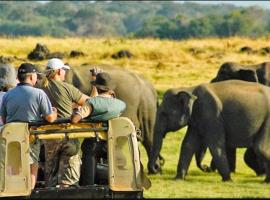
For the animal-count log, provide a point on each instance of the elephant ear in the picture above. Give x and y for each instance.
(248, 75)
(186, 100)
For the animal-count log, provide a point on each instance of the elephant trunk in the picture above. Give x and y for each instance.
(159, 131)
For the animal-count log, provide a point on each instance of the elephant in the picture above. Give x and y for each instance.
(254, 73)
(259, 73)
(218, 116)
(139, 95)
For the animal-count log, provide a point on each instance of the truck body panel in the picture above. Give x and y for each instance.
(124, 169)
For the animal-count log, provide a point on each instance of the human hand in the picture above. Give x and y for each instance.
(75, 106)
(94, 71)
(75, 118)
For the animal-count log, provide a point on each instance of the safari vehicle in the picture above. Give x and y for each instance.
(122, 175)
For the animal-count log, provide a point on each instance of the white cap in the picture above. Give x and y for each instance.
(56, 63)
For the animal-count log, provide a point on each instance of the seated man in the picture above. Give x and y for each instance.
(100, 108)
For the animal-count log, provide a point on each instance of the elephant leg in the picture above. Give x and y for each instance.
(217, 145)
(263, 160)
(213, 166)
(188, 148)
(231, 156)
(199, 155)
(262, 148)
(254, 161)
(221, 161)
(267, 179)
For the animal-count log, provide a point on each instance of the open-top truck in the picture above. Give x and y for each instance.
(122, 172)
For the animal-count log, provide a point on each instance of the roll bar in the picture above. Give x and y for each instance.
(84, 128)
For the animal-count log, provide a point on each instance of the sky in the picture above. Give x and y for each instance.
(263, 4)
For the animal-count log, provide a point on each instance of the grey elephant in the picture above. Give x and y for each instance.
(253, 73)
(219, 116)
(139, 95)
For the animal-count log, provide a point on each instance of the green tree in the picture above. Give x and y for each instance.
(150, 27)
(200, 28)
(95, 22)
(173, 29)
(56, 9)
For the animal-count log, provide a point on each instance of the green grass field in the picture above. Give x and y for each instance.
(198, 184)
(166, 64)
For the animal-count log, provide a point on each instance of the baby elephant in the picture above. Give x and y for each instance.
(222, 115)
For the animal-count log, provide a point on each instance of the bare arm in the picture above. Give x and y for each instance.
(52, 117)
(82, 99)
(94, 91)
(83, 112)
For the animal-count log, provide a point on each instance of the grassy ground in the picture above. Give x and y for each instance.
(166, 64)
(198, 184)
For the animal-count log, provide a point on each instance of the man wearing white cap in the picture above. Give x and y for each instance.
(62, 166)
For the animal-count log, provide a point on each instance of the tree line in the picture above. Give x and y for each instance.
(172, 20)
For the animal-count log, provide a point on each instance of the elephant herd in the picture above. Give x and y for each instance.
(221, 115)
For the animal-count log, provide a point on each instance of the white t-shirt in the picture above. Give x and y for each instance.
(1, 97)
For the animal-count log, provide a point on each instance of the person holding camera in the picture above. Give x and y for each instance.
(100, 108)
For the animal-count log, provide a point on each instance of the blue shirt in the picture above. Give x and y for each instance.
(25, 103)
